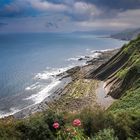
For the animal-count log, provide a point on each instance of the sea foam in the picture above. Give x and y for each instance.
(51, 75)
(11, 112)
(44, 93)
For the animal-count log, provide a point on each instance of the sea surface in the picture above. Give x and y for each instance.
(30, 61)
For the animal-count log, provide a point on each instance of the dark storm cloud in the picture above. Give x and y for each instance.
(73, 14)
(61, 1)
(115, 4)
(16, 8)
(19, 8)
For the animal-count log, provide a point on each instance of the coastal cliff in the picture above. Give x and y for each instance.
(122, 71)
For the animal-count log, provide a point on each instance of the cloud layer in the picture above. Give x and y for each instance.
(71, 14)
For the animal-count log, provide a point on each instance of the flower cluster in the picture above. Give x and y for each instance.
(69, 131)
(75, 123)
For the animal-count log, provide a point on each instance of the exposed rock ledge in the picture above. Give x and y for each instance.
(78, 93)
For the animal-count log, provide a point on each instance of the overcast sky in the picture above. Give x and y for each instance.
(68, 15)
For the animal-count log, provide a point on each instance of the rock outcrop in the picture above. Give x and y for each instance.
(122, 71)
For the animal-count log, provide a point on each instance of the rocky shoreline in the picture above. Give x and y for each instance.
(70, 93)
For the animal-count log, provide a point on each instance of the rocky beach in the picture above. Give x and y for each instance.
(77, 89)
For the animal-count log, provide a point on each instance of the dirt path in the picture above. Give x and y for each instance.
(103, 99)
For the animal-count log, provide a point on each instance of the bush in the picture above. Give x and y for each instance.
(7, 130)
(93, 121)
(128, 124)
(40, 127)
(50, 117)
(105, 134)
(36, 129)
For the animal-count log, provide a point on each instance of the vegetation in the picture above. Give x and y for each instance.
(94, 125)
(119, 122)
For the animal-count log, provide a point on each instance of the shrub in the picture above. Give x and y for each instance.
(36, 129)
(125, 124)
(100, 125)
(93, 121)
(105, 134)
(50, 117)
(40, 127)
(7, 130)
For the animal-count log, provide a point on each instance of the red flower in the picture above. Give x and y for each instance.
(76, 122)
(56, 125)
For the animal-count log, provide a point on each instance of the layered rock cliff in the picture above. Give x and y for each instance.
(122, 76)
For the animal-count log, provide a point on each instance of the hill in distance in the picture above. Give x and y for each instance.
(127, 35)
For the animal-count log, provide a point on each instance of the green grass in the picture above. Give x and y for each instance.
(129, 102)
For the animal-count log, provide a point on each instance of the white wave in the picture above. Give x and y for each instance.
(91, 54)
(12, 111)
(95, 55)
(51, 73)
(44, 93)
(87, 49)
(73, 59)
(45, 75)
(33, 86)
(48, 68)
(94, 51)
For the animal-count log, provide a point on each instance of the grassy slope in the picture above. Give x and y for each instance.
(130, 77)
(124, 69)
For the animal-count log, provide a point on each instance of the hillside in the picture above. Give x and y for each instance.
(122, 71)
(127, 34)
(76, 115)
(122, 77)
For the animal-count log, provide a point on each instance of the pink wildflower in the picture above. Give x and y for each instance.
(56, 125)
(76, 122)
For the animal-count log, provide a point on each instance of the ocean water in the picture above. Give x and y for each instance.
(29, 63)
